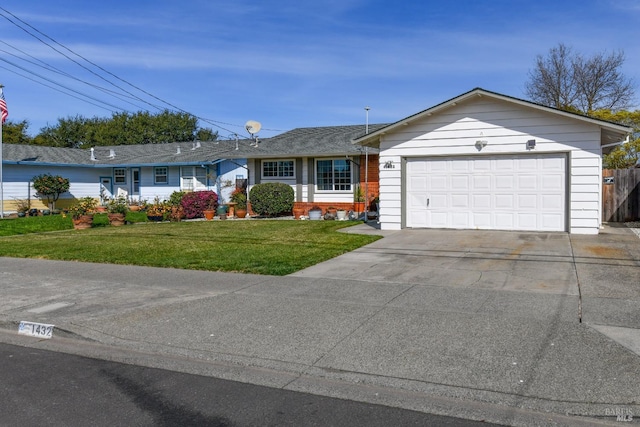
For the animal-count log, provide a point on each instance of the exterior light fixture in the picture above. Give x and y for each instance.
(480, 144)
(531, 144)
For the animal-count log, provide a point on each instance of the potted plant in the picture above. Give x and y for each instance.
(211, 208)
(222, 211)
(117, 209)
(82, 212)
(358, 198)
(239, 197)
(341, 214)
(156, 211)
(298, 211)
(315, 213)
(175, 205)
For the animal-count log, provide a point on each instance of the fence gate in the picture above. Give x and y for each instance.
(621, 195)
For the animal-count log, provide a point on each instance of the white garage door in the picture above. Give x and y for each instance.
(523, 192)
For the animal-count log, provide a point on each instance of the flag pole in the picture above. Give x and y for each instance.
(1, 178)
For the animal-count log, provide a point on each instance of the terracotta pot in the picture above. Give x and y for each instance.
(241, 213)
(116, 219)
(359, 207)
(82, 222)
(209, 215)
(134, 208)
(298, 212)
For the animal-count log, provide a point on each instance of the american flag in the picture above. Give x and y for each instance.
(3, 106)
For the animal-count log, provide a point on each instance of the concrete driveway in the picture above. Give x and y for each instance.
(602, 272)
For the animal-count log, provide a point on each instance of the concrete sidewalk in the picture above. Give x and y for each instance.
(480, 325)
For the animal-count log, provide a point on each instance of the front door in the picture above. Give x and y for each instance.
(106, 189)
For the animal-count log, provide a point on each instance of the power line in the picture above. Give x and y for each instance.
(103, 70)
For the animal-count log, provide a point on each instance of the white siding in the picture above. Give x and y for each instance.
(506, 127)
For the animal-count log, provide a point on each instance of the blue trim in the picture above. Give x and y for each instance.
(111, 165)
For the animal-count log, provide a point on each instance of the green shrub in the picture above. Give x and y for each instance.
(50, 187)
(271, 198)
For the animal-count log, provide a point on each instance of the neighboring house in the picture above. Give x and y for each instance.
(488, 161)
(321, 164)
(136, 171)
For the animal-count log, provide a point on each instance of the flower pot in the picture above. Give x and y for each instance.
(359, 207)
(298, 212)
(341, 214)
(155, 218)
(315, 214)
(82, 222)
(241, 213)
(116, 219)
(208, 214)
(134, 208)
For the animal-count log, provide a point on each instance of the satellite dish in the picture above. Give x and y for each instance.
(253, 127)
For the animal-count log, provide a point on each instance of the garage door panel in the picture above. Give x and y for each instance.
(481, 182)
(481, 201)
(516, 192)
(551, 202)
(417, 184)
(482, 220)
(505, 182)
(503, 221)
(460, 182)
(526, 221)
(505, 201)
(460, 220)
(438, 201)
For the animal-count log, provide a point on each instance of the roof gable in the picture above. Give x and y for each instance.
(611, 132)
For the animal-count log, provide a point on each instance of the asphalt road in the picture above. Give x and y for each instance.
(40, 387)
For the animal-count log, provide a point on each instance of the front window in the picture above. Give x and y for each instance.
(161, 176)
(193, 178)
(278, 169)
(119, 176)
(333, 175)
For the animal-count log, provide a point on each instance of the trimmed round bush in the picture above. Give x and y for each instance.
(198, 201)
(271, 198)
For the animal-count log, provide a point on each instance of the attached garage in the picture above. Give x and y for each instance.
(489, 161)
(523, 192)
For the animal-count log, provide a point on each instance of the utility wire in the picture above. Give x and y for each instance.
(55, 70)
(102, 69)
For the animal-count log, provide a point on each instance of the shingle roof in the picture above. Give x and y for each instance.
(314, 141)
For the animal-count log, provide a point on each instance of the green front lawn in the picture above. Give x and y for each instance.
(272, 247)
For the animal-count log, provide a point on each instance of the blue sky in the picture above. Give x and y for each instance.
(293, 63)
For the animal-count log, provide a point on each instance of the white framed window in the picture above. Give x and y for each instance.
(119, 176)
(278, 169)
(333, 175)
(161, 175)
(193, 178)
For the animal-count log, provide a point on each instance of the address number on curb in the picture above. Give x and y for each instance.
(39, 330)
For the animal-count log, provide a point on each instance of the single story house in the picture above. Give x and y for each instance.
(321, 164)
(483, 160)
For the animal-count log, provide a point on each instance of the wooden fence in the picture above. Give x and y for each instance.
(621, 195)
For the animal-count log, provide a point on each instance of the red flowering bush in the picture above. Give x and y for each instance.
(197, 202)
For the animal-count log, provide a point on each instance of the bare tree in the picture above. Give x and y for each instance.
(572, 82)
(600, 83)
(552, 82)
